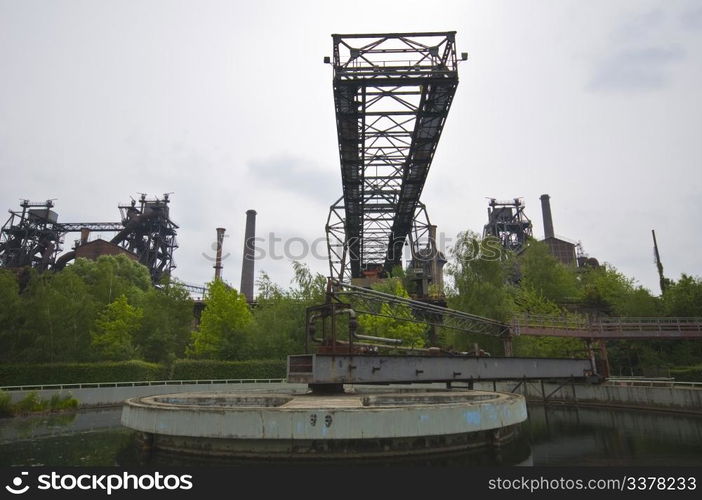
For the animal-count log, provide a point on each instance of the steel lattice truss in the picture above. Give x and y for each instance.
(392, 94)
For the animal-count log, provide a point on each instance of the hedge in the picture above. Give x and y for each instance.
(191, 369)
(74, 373)
(133, 371)
(687, 373)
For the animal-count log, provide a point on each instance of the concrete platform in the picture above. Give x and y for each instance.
(363, 422)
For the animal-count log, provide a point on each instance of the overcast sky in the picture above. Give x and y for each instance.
(228, 105)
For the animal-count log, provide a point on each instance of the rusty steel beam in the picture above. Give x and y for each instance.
(375, 369)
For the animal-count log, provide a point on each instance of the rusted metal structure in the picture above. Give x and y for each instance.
(596, 332)
(561, 249)
(392, 94)
(326, 334)
(508, 223)
(608, 328)
(33, 237)
(218, 258)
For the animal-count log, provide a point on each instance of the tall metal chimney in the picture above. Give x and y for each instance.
(548, 220)
(247, 265)
(218, 261)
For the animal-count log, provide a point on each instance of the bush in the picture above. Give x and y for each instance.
(687, 373)
(133, 371)
(31, 402)
(192, 369)
(5, 404)
(73, 373)
(67, 402)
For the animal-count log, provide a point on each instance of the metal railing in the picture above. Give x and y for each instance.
(686, 324)
(99, 385)
(642, 382)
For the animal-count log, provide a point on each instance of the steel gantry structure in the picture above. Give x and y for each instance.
(392, 94)
(32, 236)
(508, 223)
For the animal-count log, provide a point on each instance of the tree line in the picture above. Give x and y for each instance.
(534, 282)
(108, 309)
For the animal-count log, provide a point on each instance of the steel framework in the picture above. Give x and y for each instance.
(508, 223)
(392, 94)
(150, 234)
(33, 236)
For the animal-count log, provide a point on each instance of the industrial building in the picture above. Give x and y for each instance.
(561, 249)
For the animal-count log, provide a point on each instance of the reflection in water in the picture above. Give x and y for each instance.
(593, 436)
(552, 436)
(514, 453)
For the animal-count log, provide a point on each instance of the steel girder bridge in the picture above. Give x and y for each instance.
(392, 94)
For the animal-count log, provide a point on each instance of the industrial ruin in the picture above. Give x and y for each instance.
(34, 237)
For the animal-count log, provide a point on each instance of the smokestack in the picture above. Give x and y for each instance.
(247, 266)
(548, 220)
(218, 261)
(84, 235)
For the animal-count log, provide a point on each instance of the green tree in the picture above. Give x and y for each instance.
(115, 326)
(223, 324)
(481, 272)
(10, 340)
(56, 315)
(278, 325)
(395, 320)
(308, 287)
(530, 302)
(684, 297)
(110, 276)
(167, 323)
(543, 273)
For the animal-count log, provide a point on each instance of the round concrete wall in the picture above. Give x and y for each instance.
(371, 422)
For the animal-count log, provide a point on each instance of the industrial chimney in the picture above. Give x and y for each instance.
(247, 266)
(548, 220)
(218, 261)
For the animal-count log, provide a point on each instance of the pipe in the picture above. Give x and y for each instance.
(548, 219)
(353, 326)
(218, 260)
(64, 259)
(247, 265)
